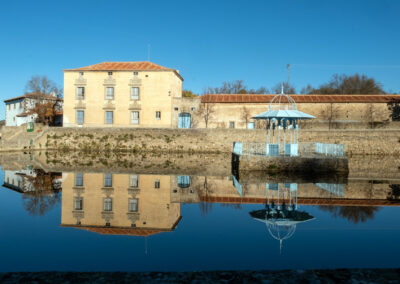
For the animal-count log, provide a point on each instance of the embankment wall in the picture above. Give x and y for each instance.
(358, 142)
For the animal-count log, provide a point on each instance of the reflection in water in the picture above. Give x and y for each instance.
(281, 214)
(113, 202)
(144, 197)
(119, 204)
(40, 190)
(354, 214)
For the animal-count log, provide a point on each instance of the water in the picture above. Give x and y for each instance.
(184, 217)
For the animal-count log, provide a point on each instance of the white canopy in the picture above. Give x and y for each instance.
(284, 113)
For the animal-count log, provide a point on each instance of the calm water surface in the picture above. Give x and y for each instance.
(137, 221)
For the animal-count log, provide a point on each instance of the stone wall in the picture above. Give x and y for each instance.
(358, 142)
(340, 115)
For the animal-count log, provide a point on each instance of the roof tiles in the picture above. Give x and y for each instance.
(261, 98)
(121, 66)
(121, 231)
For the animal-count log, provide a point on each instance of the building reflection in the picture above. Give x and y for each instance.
(143, 204)
(122, 204)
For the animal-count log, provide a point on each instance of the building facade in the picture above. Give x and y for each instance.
(144, 94)
(121, 94)
(236, 110)
(19, 109)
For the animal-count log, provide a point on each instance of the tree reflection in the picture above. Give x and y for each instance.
(354, 214)
(39, 203)
(41, 192)
(395, 192)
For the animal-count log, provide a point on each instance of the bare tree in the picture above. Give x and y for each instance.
(246, 115)
(46, 97)
(234, 87)
(369, 114)
(206, 112)
(287, 88)
(43, 86)
(373, 115)
(330, 113)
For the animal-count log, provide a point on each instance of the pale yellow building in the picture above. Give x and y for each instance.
(122, 94)
(144, 94)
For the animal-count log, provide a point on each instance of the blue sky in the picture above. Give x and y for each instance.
(207, 41)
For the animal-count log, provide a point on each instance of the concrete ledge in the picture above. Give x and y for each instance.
(282, 276)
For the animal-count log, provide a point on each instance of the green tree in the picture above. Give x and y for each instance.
(394, 107)
(344, 84)
(188, 94)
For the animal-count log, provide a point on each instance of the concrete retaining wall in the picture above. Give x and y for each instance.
(358, 142)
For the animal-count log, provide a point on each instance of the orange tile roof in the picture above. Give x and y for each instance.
(126, 66)
(120, 66)
(260, 98)
(119, 230)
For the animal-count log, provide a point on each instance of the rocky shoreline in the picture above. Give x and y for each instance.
(281, 276)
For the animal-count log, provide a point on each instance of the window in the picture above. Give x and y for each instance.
(20, 105)
(78, 179)
(78, 203)
(157, 183)
(135, 117)
(9, 106)
(15, 106)
(133, 205)
(133, 181)
(135, 93)
(109, 117)
(193, 108)
(231, 124)
(80, 116)
(80, 73)
(80, 93)
(109, 93)
(184, 181)
(176, 109)
(158, 115)
(135, 73)
(108, 180)
(107, 204)
(109, 73)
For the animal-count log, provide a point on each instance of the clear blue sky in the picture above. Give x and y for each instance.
(208, 41)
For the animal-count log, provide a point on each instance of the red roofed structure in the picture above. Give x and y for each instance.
(126, 66)
(266, 98)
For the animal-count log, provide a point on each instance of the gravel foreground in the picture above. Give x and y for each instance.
(282, 276)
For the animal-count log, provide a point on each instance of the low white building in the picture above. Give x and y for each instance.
(18, 109)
